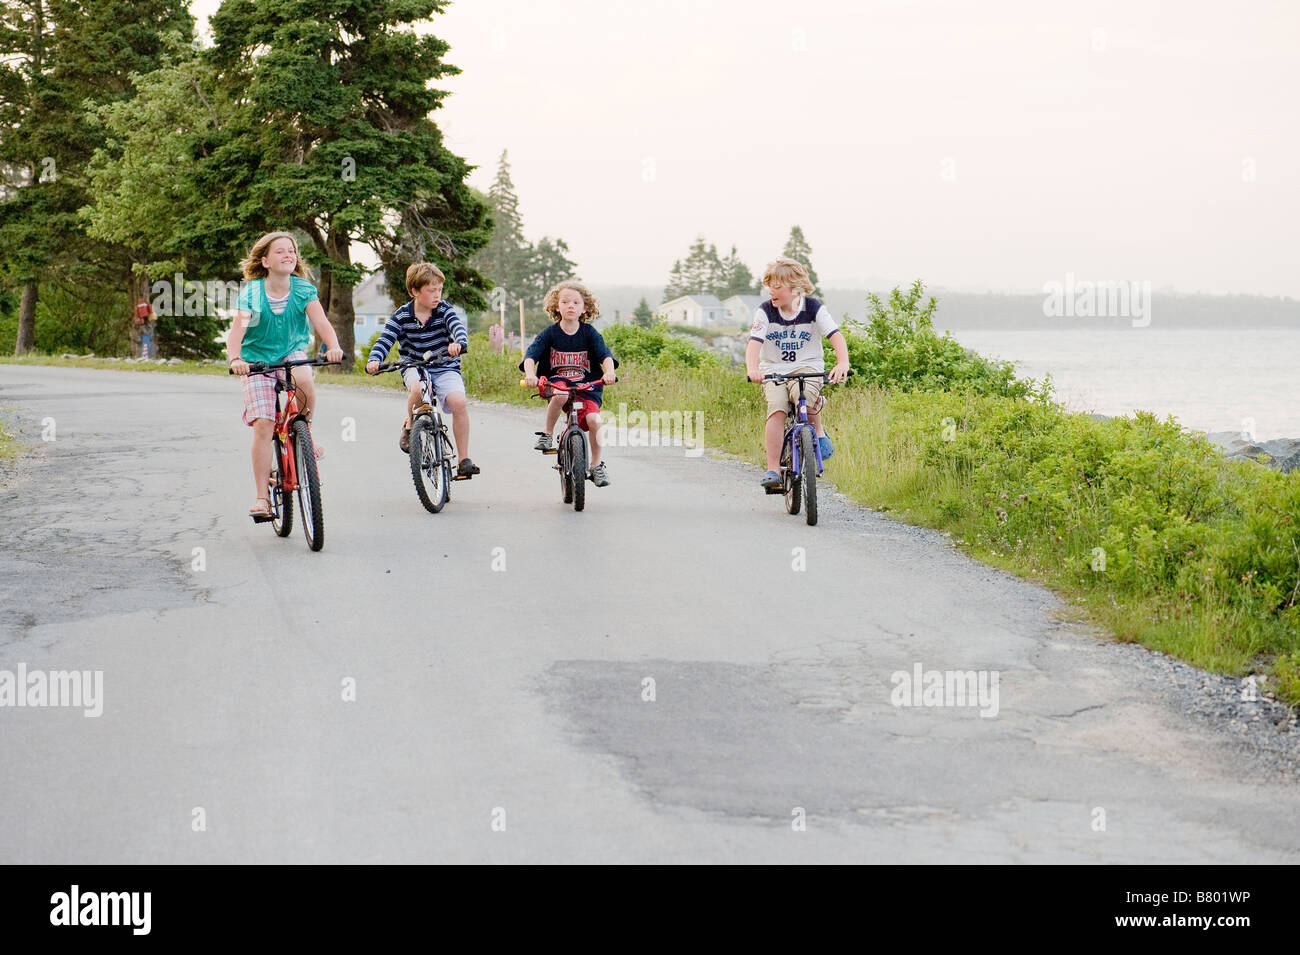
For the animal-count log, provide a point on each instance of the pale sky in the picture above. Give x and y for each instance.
(999, 144)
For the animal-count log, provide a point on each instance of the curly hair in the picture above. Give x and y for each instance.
(252, 267)
(590, 307)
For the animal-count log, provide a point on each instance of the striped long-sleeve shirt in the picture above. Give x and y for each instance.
(415, 338)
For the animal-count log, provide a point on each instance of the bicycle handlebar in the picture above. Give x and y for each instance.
(265, 368)
(567, 385)
(802, 375)
(412, 363)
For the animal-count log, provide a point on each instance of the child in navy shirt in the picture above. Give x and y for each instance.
(571, 348)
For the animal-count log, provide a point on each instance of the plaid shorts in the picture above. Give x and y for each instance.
(259, 392)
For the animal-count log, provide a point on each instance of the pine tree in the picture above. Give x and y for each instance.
(700, 273)
(548, 264)
(336, 141)
(642, 315)
(737, 279)
(797, 248)
(507, 258)
(57, 56)
(675, 287)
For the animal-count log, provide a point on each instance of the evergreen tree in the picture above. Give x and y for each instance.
(797, 248)
(737, 279)
(548, 264)
(642, 315)
(340, 146)
(507, 259)
(58, 55)
(700, 273)
(675, 287)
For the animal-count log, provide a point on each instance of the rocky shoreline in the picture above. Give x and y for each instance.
(1280, 454)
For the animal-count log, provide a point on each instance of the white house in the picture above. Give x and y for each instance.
(740, 308)
(702, 311)
(371, 307)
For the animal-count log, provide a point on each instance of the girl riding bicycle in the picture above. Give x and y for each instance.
(276, 313)
(572, 348)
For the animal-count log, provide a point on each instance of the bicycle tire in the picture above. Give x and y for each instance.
(448, 455)
(562, 464)
(808, 465)
(426, 470)
(578, 468)
(281, 503)
(310, 507)
(793, 491)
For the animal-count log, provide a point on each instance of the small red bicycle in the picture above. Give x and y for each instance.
(293, 462)
(571, 448)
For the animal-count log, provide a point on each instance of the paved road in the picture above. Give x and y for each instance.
(516, 697)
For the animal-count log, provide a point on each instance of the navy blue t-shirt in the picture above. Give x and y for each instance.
(577, 357)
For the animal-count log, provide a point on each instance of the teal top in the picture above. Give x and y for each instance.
(270, 337)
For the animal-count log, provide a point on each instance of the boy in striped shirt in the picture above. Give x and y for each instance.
(428, 324)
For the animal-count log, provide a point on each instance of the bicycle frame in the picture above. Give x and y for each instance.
(797, 423)
(286, 411)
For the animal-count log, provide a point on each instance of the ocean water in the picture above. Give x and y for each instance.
(1210, 379)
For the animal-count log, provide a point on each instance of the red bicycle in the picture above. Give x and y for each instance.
(293, 461)
(571, 448)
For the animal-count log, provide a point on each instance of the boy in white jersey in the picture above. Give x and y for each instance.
(786, 338)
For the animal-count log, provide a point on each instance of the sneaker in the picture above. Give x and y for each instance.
(772, 479)
(827, 449)
(600, 475)
(405, 441)
(467, 467)
(544, 442)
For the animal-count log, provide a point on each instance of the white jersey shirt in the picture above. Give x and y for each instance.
(792, 341)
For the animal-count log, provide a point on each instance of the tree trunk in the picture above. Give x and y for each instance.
(339, 309)
(27, 319)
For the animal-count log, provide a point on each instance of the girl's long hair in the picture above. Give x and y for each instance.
(252, 267)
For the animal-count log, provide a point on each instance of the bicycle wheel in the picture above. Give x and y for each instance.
(562, 465)
(808, 465)
(281, 503)
(448, 456)
(311, 509)
(426, 469)
(792, 489)
(578, 468)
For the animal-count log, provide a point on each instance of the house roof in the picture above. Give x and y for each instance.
(748, 301)
(703, 301)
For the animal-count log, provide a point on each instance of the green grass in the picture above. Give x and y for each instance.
(9, 446)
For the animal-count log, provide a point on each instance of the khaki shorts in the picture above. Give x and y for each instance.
(784, 395)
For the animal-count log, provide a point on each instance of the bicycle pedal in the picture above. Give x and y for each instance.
(552, 451)
(774, 490)
(261, 518)
(461, 477)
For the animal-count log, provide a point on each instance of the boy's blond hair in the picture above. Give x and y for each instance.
(421, 274)
(590, 307)
(251, 264)
(785, 271)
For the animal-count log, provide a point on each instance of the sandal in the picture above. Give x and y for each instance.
(405, 442)
(261, 511)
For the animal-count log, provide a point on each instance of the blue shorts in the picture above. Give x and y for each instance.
(447, 382)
